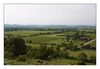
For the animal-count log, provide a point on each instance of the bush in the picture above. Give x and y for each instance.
(64, 54)
(81, 63)
(31, 52)
(8, 55)
(93, 59)
(40, 61)
(44, 52)
(29, 41)
(82, 56)
(41, 52)
(22, 58)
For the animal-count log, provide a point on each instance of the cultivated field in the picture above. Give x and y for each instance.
(50, 47)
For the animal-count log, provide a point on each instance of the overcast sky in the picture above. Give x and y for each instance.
(50, 14)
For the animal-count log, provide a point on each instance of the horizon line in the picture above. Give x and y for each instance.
(50, 24)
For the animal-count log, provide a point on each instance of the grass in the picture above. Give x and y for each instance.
(62, 61)
(57, 61)
(52, 38)
(92, 36)
(41, 39)
(33, 45)
(87, 52)
(26, 33)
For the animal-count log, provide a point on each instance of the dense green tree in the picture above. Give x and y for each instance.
(58, 48)
(30, 52)
(50, 51)
(71, 45)
(16, 46)
(76, 35)
(41, 52)
(82, 33)
(45, 53)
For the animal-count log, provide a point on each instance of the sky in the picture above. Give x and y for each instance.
(50, 14)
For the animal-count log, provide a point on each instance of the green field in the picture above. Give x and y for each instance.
(34, 39)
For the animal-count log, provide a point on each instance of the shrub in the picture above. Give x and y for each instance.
(8, 55)
(29, 41)
(31, 52)
(93, 59)
(81, 63)
(40, 61)
(64, 54)
(44, 52)
(41, 52)
(21, 58)
(82, 56)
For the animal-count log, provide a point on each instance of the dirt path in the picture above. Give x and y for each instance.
(89, 42)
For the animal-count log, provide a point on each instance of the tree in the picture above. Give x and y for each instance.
(41, 52)
(82, 33)
(76, 35)
(50, 51)
(16, 46)
(58, 48)
(71, 45)
(31, 52)
(44, 52)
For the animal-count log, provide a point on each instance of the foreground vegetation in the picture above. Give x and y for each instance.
(50, 46)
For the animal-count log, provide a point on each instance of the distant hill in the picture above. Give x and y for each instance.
(47, 26)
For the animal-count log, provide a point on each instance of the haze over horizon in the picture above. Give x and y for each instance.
(50, 14)
(48, 24)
